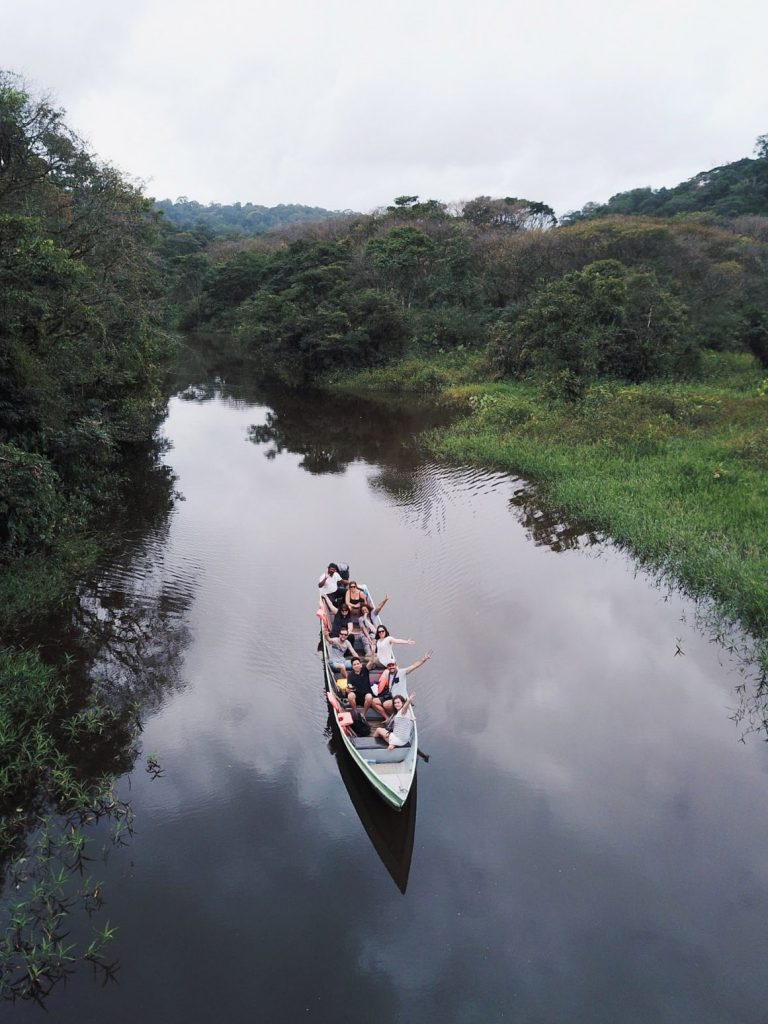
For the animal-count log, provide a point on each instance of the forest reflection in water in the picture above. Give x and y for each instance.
(118, 646)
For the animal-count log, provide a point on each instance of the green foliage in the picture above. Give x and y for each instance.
(402, 260)
(423, 375)
(30, 502)
(237, 218)
(447, 328)
(410, 208)
(82, 337)
(604, 320)
(675, 471)
(511, 213)
(728, 191)
(497, 271)
(44, 789)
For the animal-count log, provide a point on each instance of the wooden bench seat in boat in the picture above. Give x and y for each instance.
(376, 750)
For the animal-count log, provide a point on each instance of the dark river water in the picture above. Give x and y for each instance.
(588, 841)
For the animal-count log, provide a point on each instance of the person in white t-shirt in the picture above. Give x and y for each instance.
(393, 681)
(329, 583)
(384, 642)
(398, 729)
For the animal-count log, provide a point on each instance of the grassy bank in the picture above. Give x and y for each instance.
(677, 472)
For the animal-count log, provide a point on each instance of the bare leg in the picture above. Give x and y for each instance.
(378, 707)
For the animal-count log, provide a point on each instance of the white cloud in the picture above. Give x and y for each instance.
(348, 104)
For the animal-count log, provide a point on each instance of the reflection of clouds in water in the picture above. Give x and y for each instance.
(502, 913)
(586, 825)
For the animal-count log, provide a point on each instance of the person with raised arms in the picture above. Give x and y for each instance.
(384, 642)
(398, 729)
(393, 681)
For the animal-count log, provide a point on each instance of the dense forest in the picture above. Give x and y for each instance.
(621, 296)
(95, 282)
(83, 325)
(236, 218)
(86, 271)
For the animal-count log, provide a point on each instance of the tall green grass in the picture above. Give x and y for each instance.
(675, 471)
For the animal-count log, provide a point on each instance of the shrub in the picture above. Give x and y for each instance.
(30, 505)
(604, 320)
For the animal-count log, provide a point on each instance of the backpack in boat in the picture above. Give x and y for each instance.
(359, 726)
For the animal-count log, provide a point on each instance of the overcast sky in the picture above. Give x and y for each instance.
(348, 103)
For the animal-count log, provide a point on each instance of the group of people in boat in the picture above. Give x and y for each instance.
(358, 644)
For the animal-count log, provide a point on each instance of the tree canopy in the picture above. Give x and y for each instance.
(81, 320)
(728, 191)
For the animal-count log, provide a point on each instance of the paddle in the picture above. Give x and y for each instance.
(422, 755)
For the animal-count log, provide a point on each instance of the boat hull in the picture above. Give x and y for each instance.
(392, 782)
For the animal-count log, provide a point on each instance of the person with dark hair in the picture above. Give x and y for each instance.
(384, 642)
(359, 688)
(332, 587)
(359, 602)
(341, 652)
(398, 729)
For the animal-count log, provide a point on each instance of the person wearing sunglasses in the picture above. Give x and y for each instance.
(384, 643)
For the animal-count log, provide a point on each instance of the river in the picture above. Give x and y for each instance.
(588, 840)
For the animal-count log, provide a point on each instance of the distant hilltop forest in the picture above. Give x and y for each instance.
(635, 289)
(733, 190)
(736, 189)
(237, 218)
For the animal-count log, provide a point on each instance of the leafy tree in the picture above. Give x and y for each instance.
(511, 213)
(81, 311)
(402, 258)
(731, 190)
(604, 320)
(410, 208)
(238, 218)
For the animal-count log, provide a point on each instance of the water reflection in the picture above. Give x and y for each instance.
(391, 832)
(588, 849)
(548, 527)
(118, 646)
(340, 431)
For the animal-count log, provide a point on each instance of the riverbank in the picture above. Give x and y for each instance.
(675, 471)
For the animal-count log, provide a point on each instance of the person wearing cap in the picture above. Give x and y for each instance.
(393, 680)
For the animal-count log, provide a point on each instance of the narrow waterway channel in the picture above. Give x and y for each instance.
(590, 840)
